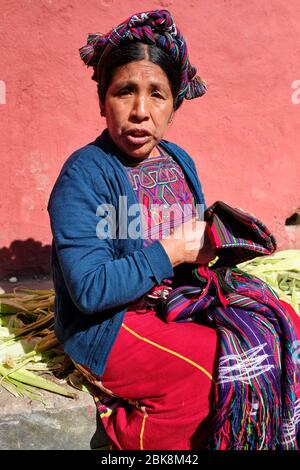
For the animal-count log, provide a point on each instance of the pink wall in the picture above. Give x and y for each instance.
(244, 135)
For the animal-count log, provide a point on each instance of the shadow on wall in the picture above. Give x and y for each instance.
(25, 257)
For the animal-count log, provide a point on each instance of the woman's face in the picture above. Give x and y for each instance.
(138, 107)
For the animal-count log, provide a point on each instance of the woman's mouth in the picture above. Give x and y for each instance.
(137, 139)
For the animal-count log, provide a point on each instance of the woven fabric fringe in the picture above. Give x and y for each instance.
(257, 379)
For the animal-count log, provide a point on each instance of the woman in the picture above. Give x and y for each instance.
(155, 378)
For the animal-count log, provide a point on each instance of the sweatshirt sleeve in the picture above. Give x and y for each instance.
(95, 277)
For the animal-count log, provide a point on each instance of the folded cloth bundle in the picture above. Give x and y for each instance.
(237, 235)
(257, 396)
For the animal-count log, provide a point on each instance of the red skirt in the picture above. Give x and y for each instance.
(157, 389)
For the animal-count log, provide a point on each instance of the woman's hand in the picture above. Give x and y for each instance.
(190, 243)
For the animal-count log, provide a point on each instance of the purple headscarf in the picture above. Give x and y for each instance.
(151, 27)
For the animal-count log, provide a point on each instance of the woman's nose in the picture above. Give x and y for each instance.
(140, 108)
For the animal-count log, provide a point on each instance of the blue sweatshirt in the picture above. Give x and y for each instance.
(96, 277)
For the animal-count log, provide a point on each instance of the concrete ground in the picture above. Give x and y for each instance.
(61, 423)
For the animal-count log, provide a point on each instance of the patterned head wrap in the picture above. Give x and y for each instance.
(152, 27)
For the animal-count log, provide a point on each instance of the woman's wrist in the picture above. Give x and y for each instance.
(173, 250)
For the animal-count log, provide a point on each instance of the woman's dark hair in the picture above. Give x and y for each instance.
(135, 51)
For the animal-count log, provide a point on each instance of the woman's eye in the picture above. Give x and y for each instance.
(157, 94)
(125, 91)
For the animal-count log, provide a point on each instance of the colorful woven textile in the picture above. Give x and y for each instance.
(257, 395)
(237, 235)
(162, 190)
(151, 27)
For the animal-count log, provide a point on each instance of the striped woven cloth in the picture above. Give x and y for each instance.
(257, 378)
(154, 27)
(237, 235)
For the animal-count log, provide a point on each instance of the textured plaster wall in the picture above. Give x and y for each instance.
(244, 135)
